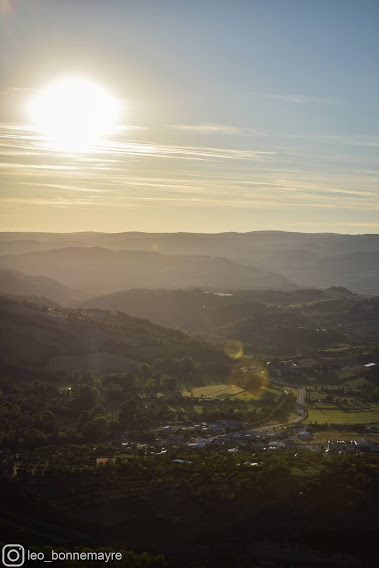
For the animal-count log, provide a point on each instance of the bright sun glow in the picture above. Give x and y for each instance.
(74, 113)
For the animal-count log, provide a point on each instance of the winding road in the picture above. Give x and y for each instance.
(300, 411)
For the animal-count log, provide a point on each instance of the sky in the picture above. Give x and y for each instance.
(236, 116)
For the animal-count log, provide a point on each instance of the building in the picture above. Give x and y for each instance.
(174, 439)
(229, 423)
(102, 461)
(304, 435)
(342, 446)
(275, 444)
(202, 442)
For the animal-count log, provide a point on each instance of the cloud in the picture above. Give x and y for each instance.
(74, 188)
(16, 140)
(205, 128)
(221, 129)
(298, 99)
(364, 140)
(358, 140)
(185, 152)
(138, 173)
(66, 203)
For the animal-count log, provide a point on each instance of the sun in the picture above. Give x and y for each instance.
(74, 113)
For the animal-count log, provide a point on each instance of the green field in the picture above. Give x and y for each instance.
(222, 390)
(333, 435)
(355, 383)
(342, 413)
(215, 391)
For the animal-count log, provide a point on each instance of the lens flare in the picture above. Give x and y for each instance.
(233, 349)
(249, 375)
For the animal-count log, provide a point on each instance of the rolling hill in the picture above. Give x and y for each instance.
(200, 310)
(308, 259)
(263, 320)
(16, 283)
(60, 339)
(100, 270)
(193, 310)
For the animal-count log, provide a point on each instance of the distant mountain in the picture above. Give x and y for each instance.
(308, 259)
(25, 245)
(16, 283)
(102, 270)
(236, 245)
(356, 271)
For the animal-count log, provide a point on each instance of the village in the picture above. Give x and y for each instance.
(227, 435)
(230, 435)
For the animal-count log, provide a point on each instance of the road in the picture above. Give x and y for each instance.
(300, 410)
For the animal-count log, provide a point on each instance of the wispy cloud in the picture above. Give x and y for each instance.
(358, 140)
(74, 188)
(219, 129)
(277, 139)
(13, 165)
(186, 152)
(298, 99)
(135, 173)
(17, 140)
(67, 203)
(205, 128)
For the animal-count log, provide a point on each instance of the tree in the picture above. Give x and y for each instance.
(127, 413)
(46, 422)
(97, 429)
(127, 381)
(188, 366)
(166, 365)
(168, 383)
(34, 438)
(85, 397)
(114, 427)
(84, 417)
(145, 371)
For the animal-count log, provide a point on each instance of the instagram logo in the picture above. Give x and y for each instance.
(13, 555)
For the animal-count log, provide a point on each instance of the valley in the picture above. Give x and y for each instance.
(144, 400)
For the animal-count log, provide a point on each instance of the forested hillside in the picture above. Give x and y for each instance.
(269, 321)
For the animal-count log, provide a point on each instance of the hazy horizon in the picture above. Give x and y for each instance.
(192, 232)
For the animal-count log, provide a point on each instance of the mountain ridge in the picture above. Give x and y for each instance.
(304, 259)
(105, 270)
